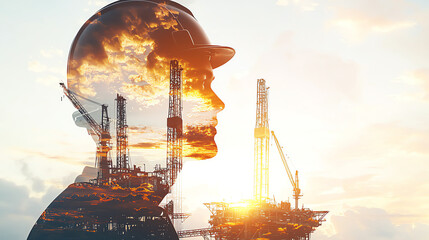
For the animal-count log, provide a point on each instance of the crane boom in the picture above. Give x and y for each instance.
(295, 183)
(101, 130)
(88, 118)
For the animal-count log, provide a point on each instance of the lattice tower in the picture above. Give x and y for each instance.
(103, 147)
(174, 124)
(122, 161)
(261, 147)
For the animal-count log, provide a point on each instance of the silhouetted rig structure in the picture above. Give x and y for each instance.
(261, 218)
(251, 220)
(122, 202)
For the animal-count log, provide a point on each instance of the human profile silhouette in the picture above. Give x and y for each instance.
(126, 48)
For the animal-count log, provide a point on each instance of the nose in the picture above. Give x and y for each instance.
(219, 105)
(207, 71)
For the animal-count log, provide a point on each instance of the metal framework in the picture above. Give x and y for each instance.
(201, 232)
(260, 218)
(104, 146)
(122, 162)
(175, 141)
(295, 183)
(101, 130)
(174, 124)
(260, 221)
(261, 148)
(139, 190)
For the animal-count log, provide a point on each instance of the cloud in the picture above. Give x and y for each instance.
(50, 53)
(304, 5)
(325, 77)
(140, 129)
(147, 145)
(56, 158)
(18, 211)
(372, 224)
(36, 66)
(419, 79)
(47, 74)
(382, 141)
(326, 190)
(382, 165)
(14, 211)
(37, 184)
(357, 19)
(48, 80)
(199, 142)
(121, 44)
(145, 137)
(411, 46)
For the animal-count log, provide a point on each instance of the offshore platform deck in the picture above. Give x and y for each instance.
(248, 220)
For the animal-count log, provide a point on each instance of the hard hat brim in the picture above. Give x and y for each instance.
(219, 54)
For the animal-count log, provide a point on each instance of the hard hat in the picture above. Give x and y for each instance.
(187, 39)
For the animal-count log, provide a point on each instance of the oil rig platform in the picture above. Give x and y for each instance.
(261, 217)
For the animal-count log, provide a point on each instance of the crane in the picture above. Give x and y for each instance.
(101, 130)
(295, 183)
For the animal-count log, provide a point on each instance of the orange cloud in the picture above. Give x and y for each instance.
(199, 142)
(147, 145)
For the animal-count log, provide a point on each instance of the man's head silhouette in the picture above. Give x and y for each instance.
(126, 48)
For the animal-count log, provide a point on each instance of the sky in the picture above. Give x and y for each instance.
(349, 102)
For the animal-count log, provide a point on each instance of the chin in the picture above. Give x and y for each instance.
(212, 151)
(201, 149)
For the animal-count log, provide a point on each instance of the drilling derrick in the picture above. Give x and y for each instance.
(174, 124)
(261, 148)
(261, 218)
(122, 162)
(174, 138)
(104, 146)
